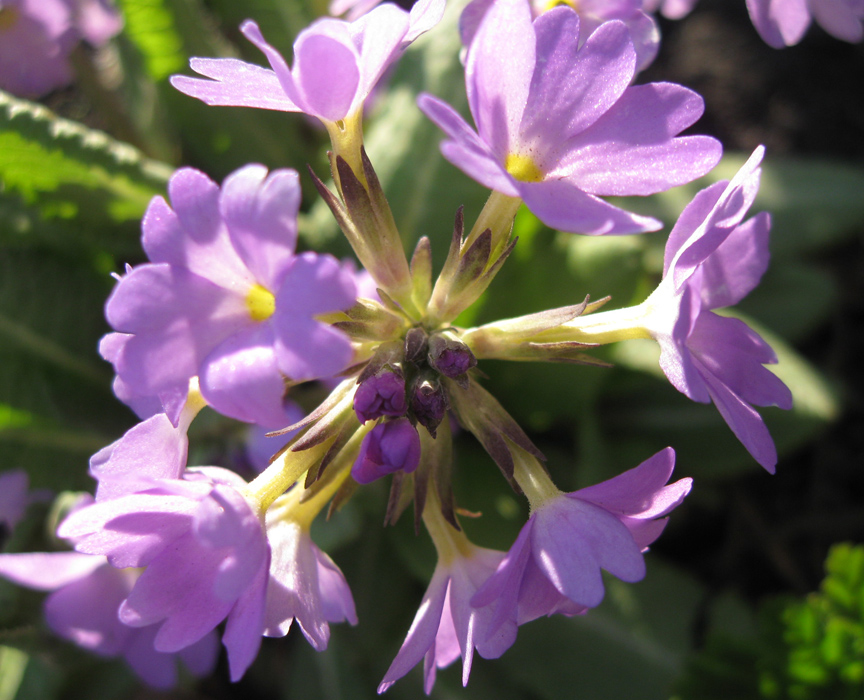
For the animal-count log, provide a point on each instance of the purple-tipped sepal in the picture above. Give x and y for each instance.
(449, 355)
(429, 401)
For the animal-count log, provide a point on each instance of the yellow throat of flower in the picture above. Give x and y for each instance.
(8, 18)
(523, 168)
(260, 302)
(552, 4)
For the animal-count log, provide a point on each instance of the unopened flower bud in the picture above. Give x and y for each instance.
(389, 447)
(382, 394)
(429, 402)
(449, 355)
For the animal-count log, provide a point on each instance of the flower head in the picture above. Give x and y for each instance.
(557, 129)
(713, 260)
(206, 557)
(226, 299)
(592, 13)
(305, 585)
(554, 565)
(86, 595)
(336, 64)
(447, 626)
(783, 22)
(37, 37)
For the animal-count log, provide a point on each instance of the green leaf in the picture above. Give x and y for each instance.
(67, 171)
(55, 392)
(804, 648)
(150, 24)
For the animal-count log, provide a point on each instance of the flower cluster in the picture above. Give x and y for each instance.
(228, 314)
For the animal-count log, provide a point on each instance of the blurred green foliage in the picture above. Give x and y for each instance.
(802, 649)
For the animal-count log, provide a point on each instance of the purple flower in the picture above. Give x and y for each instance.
(304, 584)
(713, 260)
(562, 124)
(783, 22)
(554, 565)
(149, 451)
(336, 64)
(86, 594)
(592, 13)
(206, 557)
(389, 447)
(96, 20)
(447, 626)
(111, 348)
(226, 298)
(36, 38)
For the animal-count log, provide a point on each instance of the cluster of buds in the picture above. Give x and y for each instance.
(227, 314)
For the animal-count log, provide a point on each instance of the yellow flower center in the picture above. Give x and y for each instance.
(261, 303)
(523, 168)
(8, 18)
(552, 4)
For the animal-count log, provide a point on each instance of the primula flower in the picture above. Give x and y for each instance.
(713, 260)
(592, 13)
(783, 22)
(37, 37)
(336, 64)
(226, 298)
(304, 584)
(206, 557)
(562, 125)
(447, 626)
(149, 451)
(570, 537)
(86, 594)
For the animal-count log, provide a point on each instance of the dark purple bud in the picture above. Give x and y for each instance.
(429, 402)
(382, 394)
(387, 448)
(449, 355)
